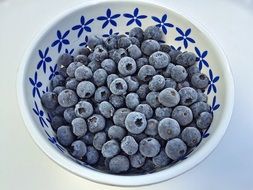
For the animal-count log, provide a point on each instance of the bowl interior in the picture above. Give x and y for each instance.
(72, 30)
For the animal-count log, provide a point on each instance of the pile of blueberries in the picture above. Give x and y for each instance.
(128, 104)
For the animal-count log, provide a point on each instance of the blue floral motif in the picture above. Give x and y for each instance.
(44, 59)
(174, 48)
(214, 105)
(54, 142)
(83, 26)
(40, 115)
(61, 40)
(109, 18)
(54, 72)
(134, 17)
(69, 51)
(36, 85)
(85, 42)
(212, 82)
(201, 57)
(162, 23)
(110, 33)
(46, 90)
(184, 36)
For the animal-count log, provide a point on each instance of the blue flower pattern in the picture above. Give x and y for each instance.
(61, 40)
(162, 23)
(40, 115)
(54, 142)
(36, 85)
(134, 17)
(83, 26)
(212, 82)
(174, 48)
(109, 18)
(44, 59)
(54, 72)
(184, 36)
(201, 58)
(110, 33)
(69, 51)
(85, 42)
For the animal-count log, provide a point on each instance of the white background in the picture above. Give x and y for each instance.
(23, 166)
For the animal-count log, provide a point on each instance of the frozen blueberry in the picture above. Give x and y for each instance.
(188, 96)
(63, 71)
(192, 70)
(64, 135)
(132, 100)
(118, 86)
(127, 66)
(137, 33)
(150, 46)
(93, 41)
(99, 140)
(83, 73)
(116, 132)
(106, 109)
(64, 60)
(135, 122)
(118, 54)
(69, 114)
(149, 166)
(162, 112)
(57, 80)
(117, 101)
(58, 111)
(49, 100)
(159, 60)
(199, 107)
(132, 83)
(124, 42)
(152, 32)
(149, 147)
(134, 51)
(85, 89)
(129, 145)
(109, 66)
(191, 136)
(186, 59)
(96, 123)
(99, 77)
(202, 97)
(152, 127)
(72, 68)
(82, 59)
(165, 48)
(84, 109)
(88, 138)
(183, 115)
(169, 97)
(204, 121)
(91, 156)
(94, 65)
(173, 55)
(175, 149)
(120, 116)
(100, 53)
(111, 78)
(135, 41)
(57, 121)
(199, 80)
(157, 83)
(183, 84)
(145, 109)
(137, 160)
(101, 94)
(178, 73)
(78, 149)
(170, 83)
(142, 91)
(79, 126)
(67, 98)
(146, 73)
(110, 149)
(161, 159)
(84, 51)
(167, 72)
(119, 164)
(168, 128)
(71, 84)
(152, 99)
(141, 62)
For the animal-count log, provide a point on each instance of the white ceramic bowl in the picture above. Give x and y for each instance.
(71, 30)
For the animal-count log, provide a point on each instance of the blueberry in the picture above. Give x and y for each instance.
(57, 80)
(85, 89)
(132, 83)
(175, 149)
(137, 33)
(99, 77)
(101, 94)
(83, 73)
(161, 159)
(159, 60)
(129, 145)
(150, 46)
(82, 59)
(58, 111)
(83, 109)
(183, 115)
(64, 135)
(127, 66)
(120, 116)
(149, 166)
(118, 86)
(137, 160)
(124, 42)
(64, 60)
(157, 83)
(134, 51)
(132, 100)
(188, 96)
(111, 42)
(100, 53)
(152, 99)
(90, 57)
(69, 114)
(167, 72)
(146, 73)
(110, 149)
(202, 97)
(204, 121)
(72, 84)
(109, 66)
(199, 107)
(116, 132)
(118, 54)
(170, 83)
(91, 156)
(199, 80)
(145, 109)
(178, 73)
(78, 149)
(186, 59)
(165, 48)
(111, 78)
(117, 101)
(152, 127)
(169, 97)
(88, 138)
(149, 147)
(168, 128)
(173, 55)
(135, 41)
(141, 62)
(63, 72)
(119, 164)
(67, 98)
(72, 68)
(79, 126)
(99, 140)
(96, 123)
(162, 112)
(57, 121)
(106, 109)
(183, 84)
(192, 70)
(94, 65)
(84, 51)
(93, 41)
(49, 100)
(191, 136)
(135, 122)
(142, 91)
(152, 32)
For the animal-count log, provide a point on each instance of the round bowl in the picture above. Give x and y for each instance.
(71, 30)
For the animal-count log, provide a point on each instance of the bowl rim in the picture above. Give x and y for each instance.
(118, 180)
